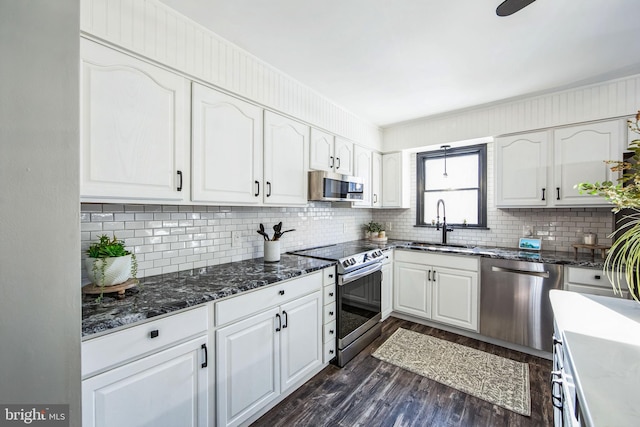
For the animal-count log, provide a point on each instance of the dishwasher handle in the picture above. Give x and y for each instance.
(544, 274)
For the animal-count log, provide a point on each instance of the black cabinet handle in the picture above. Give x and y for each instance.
(434, 275)
(279, 322)
(331, 331)
(206, 356)
(331, 313)
(330, 294)
(597, 277)
(180, 181)
(286, 319)
(338, 159)
(331, 276)
(258, 189)
(543, 190)
(429, 277)
(154, 333)
(331, 351)
(331, 162)
(281, 292)
(268, 189)
(375, 198)
(557, 193)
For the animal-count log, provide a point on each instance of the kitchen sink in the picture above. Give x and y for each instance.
(441, 245)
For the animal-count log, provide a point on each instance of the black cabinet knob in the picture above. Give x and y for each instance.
(331, 313)
(281, 292)
(597, 276)
(330, 294)
(154, 333)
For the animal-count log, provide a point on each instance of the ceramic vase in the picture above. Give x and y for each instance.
(272, 250)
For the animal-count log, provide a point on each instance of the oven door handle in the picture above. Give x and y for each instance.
(361, 272)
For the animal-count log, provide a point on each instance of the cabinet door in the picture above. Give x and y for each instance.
(387, 289)
(226, 148)
(455, 297)
(301, 339)
(321, 151)
(412, 289)
(247, 367)
(579, 156)
(134, 128)
(362, 169)
(394, 181)
(166, 389)
(285, 160)
(376, 180)
(344, 156)
(521, 170)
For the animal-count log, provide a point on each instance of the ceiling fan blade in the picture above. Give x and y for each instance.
(509, 7)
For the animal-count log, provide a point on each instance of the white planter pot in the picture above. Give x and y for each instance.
(272, 250)
(117, 270)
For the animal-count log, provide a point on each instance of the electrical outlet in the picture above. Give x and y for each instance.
(388, 226)
(236, 239)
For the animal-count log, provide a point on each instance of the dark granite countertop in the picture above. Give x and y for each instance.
(550, 257)
(166, 293)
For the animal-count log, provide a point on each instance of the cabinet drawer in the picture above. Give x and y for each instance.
(329, 294)
(329, 276)
(329, 331)
(329, 313)
(114, 349)
(329, 351)
(243, 305)
(590, 277)
(460, 262)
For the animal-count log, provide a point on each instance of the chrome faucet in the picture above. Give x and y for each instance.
(444, 221)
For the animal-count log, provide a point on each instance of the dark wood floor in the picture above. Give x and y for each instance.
(368, 392)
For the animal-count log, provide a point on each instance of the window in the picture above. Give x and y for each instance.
(463, 189)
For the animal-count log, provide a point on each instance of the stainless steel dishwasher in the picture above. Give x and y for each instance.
(514, 301)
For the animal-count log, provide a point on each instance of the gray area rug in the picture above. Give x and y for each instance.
(497, 380)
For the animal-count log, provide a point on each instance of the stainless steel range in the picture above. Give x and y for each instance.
(359, 294)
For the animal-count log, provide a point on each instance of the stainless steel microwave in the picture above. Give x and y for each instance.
(334, 187)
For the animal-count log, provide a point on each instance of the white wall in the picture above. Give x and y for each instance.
(168, 238)
(614, 98)
(39, 158)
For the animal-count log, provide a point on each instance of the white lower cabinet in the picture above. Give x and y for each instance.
(387, 285)
(159, 373)
(442, 288)
(592, 281)
(167, 389)
(268, 352)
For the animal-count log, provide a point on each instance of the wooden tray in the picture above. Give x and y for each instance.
(97, 290)
(592, 248)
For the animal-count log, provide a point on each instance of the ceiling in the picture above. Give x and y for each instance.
(395, 60)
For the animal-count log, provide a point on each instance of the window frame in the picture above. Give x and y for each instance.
(481, 151)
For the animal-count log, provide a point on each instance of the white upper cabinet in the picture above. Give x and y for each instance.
(344, 156)
(395, 180)
(329, 153)
(227, 149)
(579, 156)
(521, 172)
(376, 180)
(362, 168)
(134, 128)
(286, 160)
(541, 169)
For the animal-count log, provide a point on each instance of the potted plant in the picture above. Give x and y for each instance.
(373, 230)
(623, 258)
(109, 263)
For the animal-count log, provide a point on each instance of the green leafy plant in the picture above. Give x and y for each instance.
(104, 248)
(373, 227)
(623, 259)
